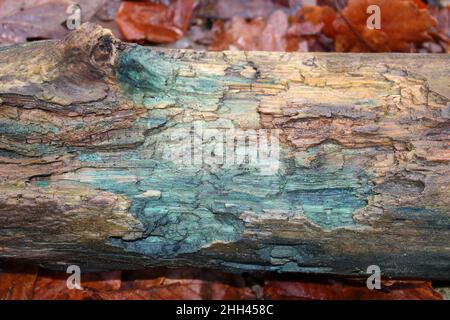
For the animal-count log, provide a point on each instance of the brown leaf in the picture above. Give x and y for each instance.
(20, 20)
(248, 9)
(102, 281)
(255, 34)
(334, 289)
(335, 4)
(421, 4)
(108, 11)
(237, 34)
(403, 24)
(39, 19)
(323, 16)
(273, 37)
(200, 35)
(305, 33)
(52, 285)
(441, 34)
(143, 279)
(187, 284)
(443, 19)
(158, 283)
(17, 282)
(154, 22)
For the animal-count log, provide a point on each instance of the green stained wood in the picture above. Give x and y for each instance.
(360, 177)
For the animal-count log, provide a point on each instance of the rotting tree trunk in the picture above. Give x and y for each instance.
(94, 134)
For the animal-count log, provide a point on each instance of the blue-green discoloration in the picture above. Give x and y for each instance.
(200, 206)
(144, 71)
(16, 128)
(42, 183)
(186, 208)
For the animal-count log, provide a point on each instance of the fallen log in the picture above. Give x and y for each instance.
(115, 155)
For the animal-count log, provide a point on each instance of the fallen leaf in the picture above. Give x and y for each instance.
(102, 281)
(254, 34)
(248, 9)
(323, 16)
(421, 4)
(403, 24)
(308, 27)
(337, 5)
(187, 283)
(23, 282)
(108, 11)
(154, 22)
(341, 289)
(200, 35)
(442, 16)
(17, 282)
(21, 20)
(158, 283)
(237, 34)
(273, 37)
(52, 285)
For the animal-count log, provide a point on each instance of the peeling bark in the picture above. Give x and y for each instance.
(89, 127)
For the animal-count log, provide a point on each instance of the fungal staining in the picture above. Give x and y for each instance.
(184, 209)
(142, 71)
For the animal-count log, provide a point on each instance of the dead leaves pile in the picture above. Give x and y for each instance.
(406, 26)
(403, 25)
(268, 25)
(20, 282)
(140, 21)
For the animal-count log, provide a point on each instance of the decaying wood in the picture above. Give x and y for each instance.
(87, 173)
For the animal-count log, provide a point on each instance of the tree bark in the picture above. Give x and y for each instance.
(115, 156)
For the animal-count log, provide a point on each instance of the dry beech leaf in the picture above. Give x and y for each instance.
(335, 4)
(274, 34)
(323, 16)
(440, 34)
(156, 284)
(255, 34)
(248, 9)
(154, 22)
(421, 4)
(443, 19)
(237, 34)
(187, 284)
(403, 24)
(102, 281)
(22, 282)
(308, 27)
(17, 282)
(348, 290)
(108, 11)
(52, 285)
(21, 20)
